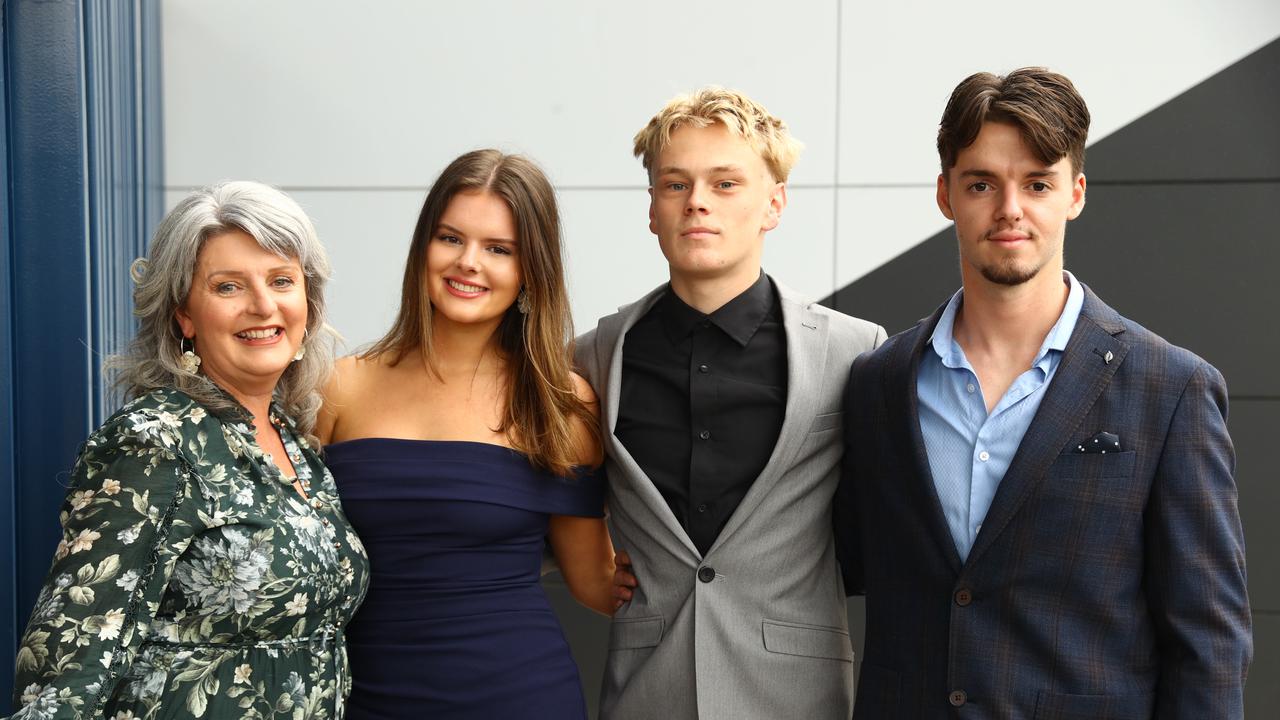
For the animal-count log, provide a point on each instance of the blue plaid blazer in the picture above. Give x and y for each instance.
(1100, 585)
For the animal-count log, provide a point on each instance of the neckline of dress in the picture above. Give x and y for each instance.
(493, 447)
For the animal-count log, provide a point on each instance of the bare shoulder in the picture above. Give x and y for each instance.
(349, 381)
(585, 393)
(348, 374)
(590, 452)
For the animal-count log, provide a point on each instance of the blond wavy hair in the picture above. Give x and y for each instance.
(737, 112)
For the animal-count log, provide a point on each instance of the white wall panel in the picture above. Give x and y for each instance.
(355, 107)
(798, 252)
(879, 223)
(303, 93)
(613, 259)
(900, 61)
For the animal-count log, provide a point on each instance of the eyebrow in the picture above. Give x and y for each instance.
(983, 173)
(683, 171)
(276, 269)
(457, 231)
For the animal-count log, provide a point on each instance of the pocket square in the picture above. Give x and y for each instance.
(1102, 443)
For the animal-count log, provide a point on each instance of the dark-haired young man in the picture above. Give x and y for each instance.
(1038, 498)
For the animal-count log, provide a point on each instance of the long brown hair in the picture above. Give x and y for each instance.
(542, 403)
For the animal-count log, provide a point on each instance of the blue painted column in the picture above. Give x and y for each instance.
(81, 142)
(8, 558)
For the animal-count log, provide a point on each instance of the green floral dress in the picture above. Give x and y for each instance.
(192, 579)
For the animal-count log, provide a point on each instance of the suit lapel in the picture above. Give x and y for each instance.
(611, 332)
(806, 334)
(901, 377)
(1092, 356)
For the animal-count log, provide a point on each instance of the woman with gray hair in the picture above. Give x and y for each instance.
(206, 568)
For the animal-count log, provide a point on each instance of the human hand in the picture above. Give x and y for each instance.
(624, 579)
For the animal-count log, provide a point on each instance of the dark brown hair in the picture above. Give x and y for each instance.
(1043, 105)
(542, 403)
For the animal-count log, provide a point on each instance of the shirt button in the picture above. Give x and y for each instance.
(970, 387)
(337, 545)
(963, 597)
(706, 574)
(702, 507)
(704, 369)
(957, 698)
(705, 434)
(315, 503)
(324, 521)
(984, 456)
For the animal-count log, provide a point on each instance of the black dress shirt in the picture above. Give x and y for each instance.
(703, 398)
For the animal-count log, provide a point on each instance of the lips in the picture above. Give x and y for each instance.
(697, 232)
(1008, 236)
(261, 335)
(463, 289)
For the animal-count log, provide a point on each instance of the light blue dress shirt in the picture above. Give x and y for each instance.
(970, 450)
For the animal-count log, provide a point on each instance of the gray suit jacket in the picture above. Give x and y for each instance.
(757, 628)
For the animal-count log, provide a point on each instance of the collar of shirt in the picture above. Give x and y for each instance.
(739, 318)
(237, 413)
(943, 340)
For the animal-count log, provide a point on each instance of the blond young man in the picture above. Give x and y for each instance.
(720, 407)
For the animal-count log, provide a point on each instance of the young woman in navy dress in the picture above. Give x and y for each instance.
(462, 443)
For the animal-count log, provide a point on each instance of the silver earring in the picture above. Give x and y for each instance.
(523, 303)
(302, 349)
(189, 360)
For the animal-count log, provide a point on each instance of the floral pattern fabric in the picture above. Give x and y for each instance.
(192, 580)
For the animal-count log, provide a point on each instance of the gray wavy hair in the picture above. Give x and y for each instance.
(163, 280)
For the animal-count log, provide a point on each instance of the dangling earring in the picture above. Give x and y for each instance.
(189, 360)
(302, 349)
(523, 303)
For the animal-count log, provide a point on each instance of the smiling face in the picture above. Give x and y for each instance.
(246, 313)
(473, 270)
(1010, 209)
(712, 201)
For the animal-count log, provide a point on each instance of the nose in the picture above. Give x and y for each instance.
(469, 258)
(1009, 208)
(696, 201)
(262, 302)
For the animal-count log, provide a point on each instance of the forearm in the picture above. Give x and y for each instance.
(585, 556)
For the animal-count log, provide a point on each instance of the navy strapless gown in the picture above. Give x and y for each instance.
(456, 624)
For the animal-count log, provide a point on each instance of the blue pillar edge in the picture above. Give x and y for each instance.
(8, 556)
(84, 190)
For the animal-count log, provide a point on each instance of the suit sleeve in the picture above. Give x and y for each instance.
(1195, 576)
(845, 513)
(109, 572)
(879, 339)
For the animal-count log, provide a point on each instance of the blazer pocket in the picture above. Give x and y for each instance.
(827, 421)
(635, 633)
(1059, 706)
(814, 641)
(1094, 465)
